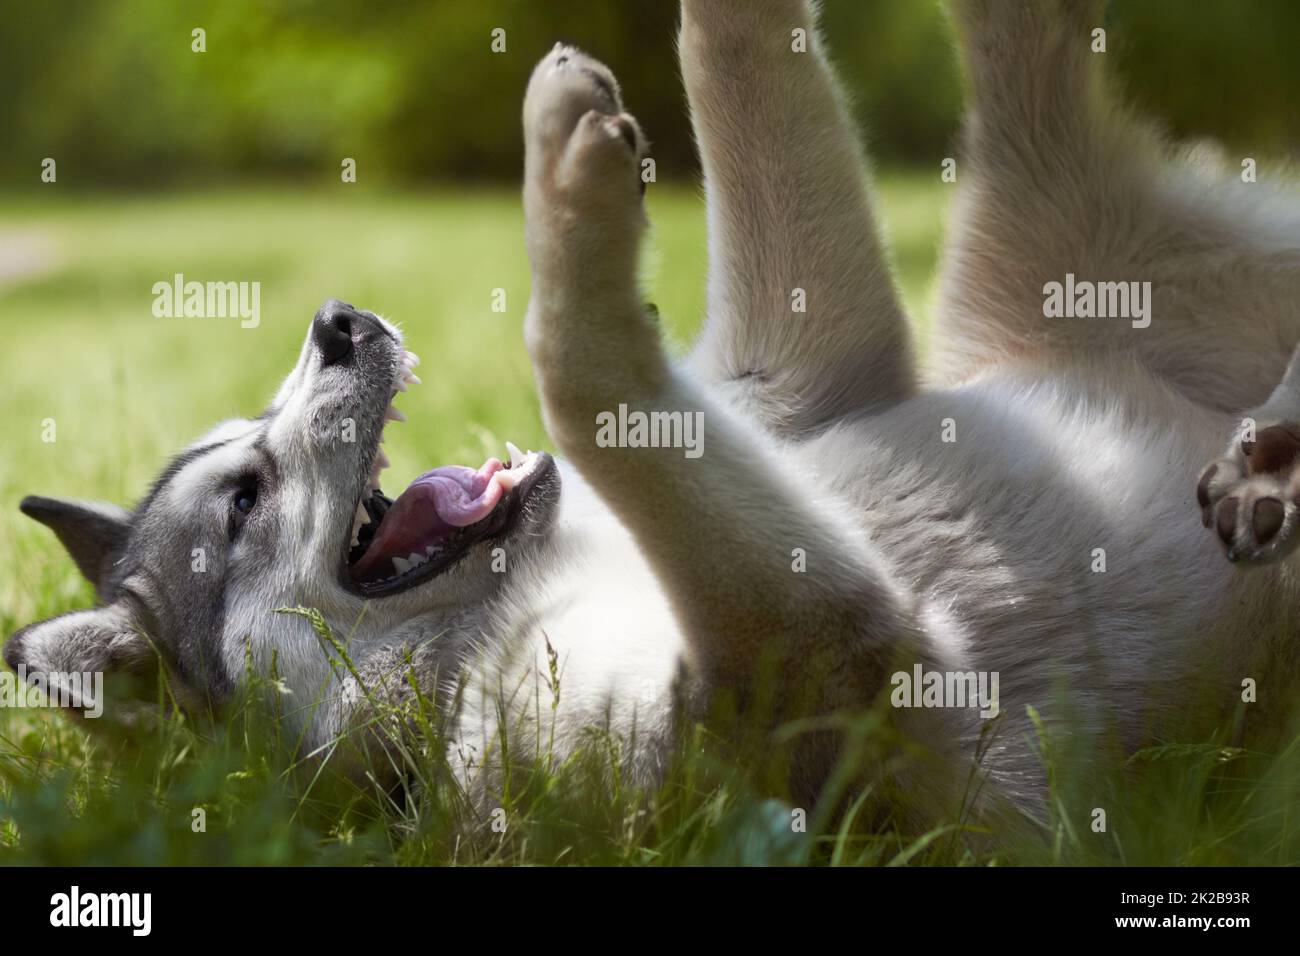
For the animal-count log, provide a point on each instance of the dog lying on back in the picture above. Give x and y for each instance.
(840, 535)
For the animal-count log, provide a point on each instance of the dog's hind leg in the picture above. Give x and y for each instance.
(1251, 496)
(802, 313)
(1057, 179)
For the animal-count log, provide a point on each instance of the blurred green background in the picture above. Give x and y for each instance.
(225, 166)
(415, 93)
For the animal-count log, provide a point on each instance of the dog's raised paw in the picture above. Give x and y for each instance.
(586, 143)
(1251, 496)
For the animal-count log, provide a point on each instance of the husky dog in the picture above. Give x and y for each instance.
(1029, 514)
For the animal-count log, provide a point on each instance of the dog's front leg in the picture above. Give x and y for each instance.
(754, 560)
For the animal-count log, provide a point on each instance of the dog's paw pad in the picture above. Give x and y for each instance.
(1268, 519)
(1273, 449)
(1251, 497)
(1226, 520)
(1203, 490)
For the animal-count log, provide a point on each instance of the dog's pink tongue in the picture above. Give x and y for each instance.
(427, 512)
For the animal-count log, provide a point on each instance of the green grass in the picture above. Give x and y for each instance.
(125, 389)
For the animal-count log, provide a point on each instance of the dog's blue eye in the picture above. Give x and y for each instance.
(242, 504)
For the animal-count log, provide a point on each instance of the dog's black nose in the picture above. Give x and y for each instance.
(338, 327)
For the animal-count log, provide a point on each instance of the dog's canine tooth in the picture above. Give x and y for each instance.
(516, 456)
(359, 519)
(401, 565)
(412, 378)
(417, 559)
(393, 415)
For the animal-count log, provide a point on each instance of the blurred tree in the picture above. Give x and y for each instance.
(413, 90)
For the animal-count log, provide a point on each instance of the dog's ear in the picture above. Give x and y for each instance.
(65, 652)
(100, 639)
(94, 533)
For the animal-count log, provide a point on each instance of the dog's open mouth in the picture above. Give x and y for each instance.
(397, 543)
(432, 523)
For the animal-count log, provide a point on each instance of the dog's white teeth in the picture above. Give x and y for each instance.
(516, 456)
(410, 359)
(393, 415)
(429, 550)
(400, 384)
(417, 559)
(412, 378)
(401, 565)
(357, 521)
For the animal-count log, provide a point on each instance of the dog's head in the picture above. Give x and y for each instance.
(280, 511)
